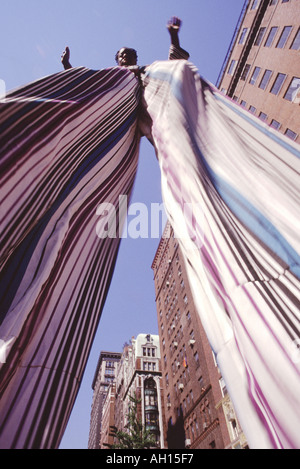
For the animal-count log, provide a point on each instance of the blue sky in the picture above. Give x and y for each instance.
(33, 35)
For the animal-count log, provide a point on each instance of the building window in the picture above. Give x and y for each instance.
(260, 36)
(243, 36)
(254, 75)
(275, 124)
(255, 4)
(263, 116)
(265, 79)
(151, 419)
(196, 357)
(284, 37)
(289, 133)
(273, 2)
(285, 1)
(149, 366)
(223, 387)
(188, 317)
(243, 103)
(296, 42)
(278, 83)
(245, 72)
(293, 89)
(231, 67)
(271, 36)
(234, 428)
(252, 109)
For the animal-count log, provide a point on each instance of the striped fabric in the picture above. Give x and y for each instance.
(231, 191)
(176, 53)
(69, 142)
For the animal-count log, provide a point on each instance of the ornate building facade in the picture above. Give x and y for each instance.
(139, 374)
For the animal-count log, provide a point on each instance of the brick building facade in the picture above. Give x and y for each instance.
(198, 410)
(261, 71)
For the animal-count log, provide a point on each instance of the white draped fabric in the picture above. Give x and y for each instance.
(230, 185)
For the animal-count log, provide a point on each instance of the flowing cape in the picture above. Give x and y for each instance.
(231, 192)
(230, 186)
(69, 144)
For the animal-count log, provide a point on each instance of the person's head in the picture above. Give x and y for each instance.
(126, 57)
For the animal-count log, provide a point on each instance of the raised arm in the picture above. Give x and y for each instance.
(65, 58)
(173, 27)
(176, 52)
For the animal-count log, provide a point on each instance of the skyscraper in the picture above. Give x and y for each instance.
(261, 70)
(198, 410)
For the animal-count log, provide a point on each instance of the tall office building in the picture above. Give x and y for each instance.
(261, 71)
(198, 410)
(104, 376)
(139, 374)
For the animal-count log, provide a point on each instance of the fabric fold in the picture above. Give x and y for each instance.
(231, 192)
(69, 148)
(69, 144)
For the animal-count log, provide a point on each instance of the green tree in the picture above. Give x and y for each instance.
(136, 435)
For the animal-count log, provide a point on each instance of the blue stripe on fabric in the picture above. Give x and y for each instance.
(10, 281)
(276, 137)
(251, 217)
(258, 224)
(177, 92)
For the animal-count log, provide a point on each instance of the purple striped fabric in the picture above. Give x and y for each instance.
(69, 142)
(231, 191)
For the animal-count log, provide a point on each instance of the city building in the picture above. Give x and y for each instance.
(108, 417)
(261, 70)
(104, 376)
(198, 411)
(139, 374)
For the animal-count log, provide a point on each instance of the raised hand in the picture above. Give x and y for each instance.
(174, 24)
(65, 58)
(173, 27)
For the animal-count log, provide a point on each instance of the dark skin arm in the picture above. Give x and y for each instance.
(173, 27)
(65, 59)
